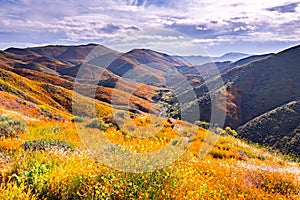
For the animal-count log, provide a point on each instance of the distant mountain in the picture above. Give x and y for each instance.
(196, 60)
(232, 56)
(200, 60)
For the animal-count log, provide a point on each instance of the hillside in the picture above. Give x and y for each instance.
(253, 89)
(41, 99)
(56, 160)
(264, 85)
(146, 66)
(278, 128)
(59, 65)
(258, 86)
(71, 129)
(253, 86)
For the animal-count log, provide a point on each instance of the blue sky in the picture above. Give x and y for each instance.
(174, 26)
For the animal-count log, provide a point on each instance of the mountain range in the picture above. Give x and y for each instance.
(200, 60)
(262, 91)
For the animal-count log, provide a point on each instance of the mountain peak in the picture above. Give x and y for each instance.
(233, 56)
(141, 51)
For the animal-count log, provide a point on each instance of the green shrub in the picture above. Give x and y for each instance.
(78, 119)
(231, 131)
(46, 144)
(202, 124)
(10, 127)
(218, 155)
(97, 123)
(226, 131)
(261, 157)
(35, 177)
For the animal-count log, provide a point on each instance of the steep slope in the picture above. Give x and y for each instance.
(278, 128)
(23, 95)
(247, 60)
(43, 99)
(264, 85)
(254, 88)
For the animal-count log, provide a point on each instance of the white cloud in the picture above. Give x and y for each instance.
(208, 21)
(160, 39)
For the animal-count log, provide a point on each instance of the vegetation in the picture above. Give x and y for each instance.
(268, 129)
(258, 95)
(229, 131)
(45, 156)
(43, 167)
(97, 123)
(47, 144)
(78, 119)
(10, 127)
(202, 124)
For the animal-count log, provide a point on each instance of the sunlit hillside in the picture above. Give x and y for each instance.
(73, 130)
(49, 160)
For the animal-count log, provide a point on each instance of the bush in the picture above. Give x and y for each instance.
(46, 144)
(225, 132)
(202, 124)
(218, 155)
(10, 127)
(231, 131)
(261, 157)
(97, 123)
(78, 119)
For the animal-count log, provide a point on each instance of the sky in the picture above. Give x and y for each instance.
(185, 27)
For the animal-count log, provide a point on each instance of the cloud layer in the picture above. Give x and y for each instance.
(216, 26)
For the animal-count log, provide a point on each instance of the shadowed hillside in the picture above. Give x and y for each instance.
(255, 88)
(278, 128)
(264, 85)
